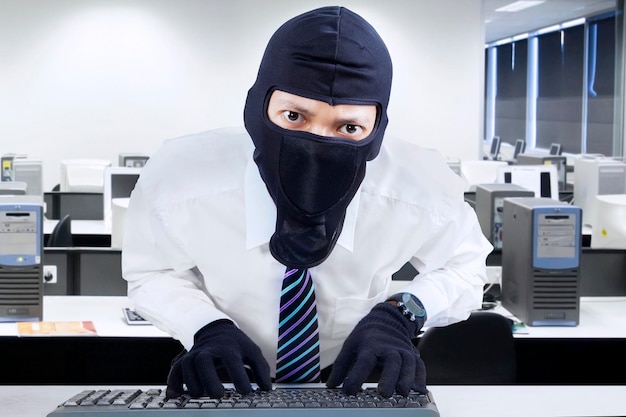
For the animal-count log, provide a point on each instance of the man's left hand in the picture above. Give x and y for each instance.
(382, 340)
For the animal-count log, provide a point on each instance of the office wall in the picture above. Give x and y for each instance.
(94, 78)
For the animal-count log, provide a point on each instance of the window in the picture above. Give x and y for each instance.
(560, 71)
(600, 89)
(510, 106)
(558, 87)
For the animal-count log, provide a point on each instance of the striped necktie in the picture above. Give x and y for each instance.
(298, 337)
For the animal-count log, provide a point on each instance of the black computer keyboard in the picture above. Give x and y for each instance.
(306, 401)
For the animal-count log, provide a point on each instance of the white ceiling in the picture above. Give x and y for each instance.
(500, 25)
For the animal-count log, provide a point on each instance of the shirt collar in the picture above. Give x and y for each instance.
(261, 212)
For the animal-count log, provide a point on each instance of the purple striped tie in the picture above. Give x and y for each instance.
(297, 358)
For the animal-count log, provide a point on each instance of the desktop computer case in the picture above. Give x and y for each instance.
(489, 206)
(540, 261)
(21, 275)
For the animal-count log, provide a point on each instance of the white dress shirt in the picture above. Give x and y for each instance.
(200, 219)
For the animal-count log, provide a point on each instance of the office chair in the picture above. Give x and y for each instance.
(61, 236)
(479, 350)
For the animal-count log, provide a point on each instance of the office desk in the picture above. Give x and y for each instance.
(591, 353)
(84, 232)
(452, 401)
(80, 227)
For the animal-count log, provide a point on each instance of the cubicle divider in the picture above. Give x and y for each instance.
(79, 205)
(602, 271)
(83, 271)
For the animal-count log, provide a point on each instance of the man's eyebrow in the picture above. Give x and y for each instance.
(293, 106)
(354, 120)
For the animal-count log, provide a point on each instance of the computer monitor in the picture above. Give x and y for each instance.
(31, 172)
(495, 148)
(520, 147)
(537, 159)
(594, 177)
(541, 179)
(555, 149)
(131, 160)
(609, 226)
(83, 175)
(119, 182)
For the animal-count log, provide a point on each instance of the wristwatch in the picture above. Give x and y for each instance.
(411, 307)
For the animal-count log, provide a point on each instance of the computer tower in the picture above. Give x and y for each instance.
(31, 172)
(21, 269)
(6, 167)
(489, 206)
(541, 261)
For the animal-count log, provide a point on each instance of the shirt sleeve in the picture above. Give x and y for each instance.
(163, 283)
(452, 269)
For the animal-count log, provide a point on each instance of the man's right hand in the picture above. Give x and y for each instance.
(218, 344)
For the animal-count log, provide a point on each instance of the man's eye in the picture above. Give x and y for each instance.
(292, 116)
(351, 129)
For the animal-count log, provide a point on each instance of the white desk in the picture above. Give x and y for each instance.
(452, 401)
(600, 317)
(546, 355)
(105, 312)
(81, 227)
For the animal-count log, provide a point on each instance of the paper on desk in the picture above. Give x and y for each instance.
(56, 328)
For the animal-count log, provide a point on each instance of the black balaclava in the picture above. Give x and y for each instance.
(332, 55)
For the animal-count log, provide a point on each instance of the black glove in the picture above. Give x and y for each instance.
(382, 340)
(219, 343)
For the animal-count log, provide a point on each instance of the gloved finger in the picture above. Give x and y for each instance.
(341, 366)
(362, 368)
(237, 373)
(407, 373)
(260, 369)
(419, 378)
(207, 376)
(391, 363)
(190, 375)
(175, 381)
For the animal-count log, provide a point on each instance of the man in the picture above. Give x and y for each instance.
(227, 229)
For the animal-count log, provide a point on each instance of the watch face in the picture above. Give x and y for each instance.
(412, 306)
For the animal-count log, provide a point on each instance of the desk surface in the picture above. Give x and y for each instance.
(105, 312)
(81, 227)
(452, 401)
(600, 317)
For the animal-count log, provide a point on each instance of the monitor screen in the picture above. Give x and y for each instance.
(495, 147)
(555, 149)
(541, 179)
(119, 182)
(520, 147)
